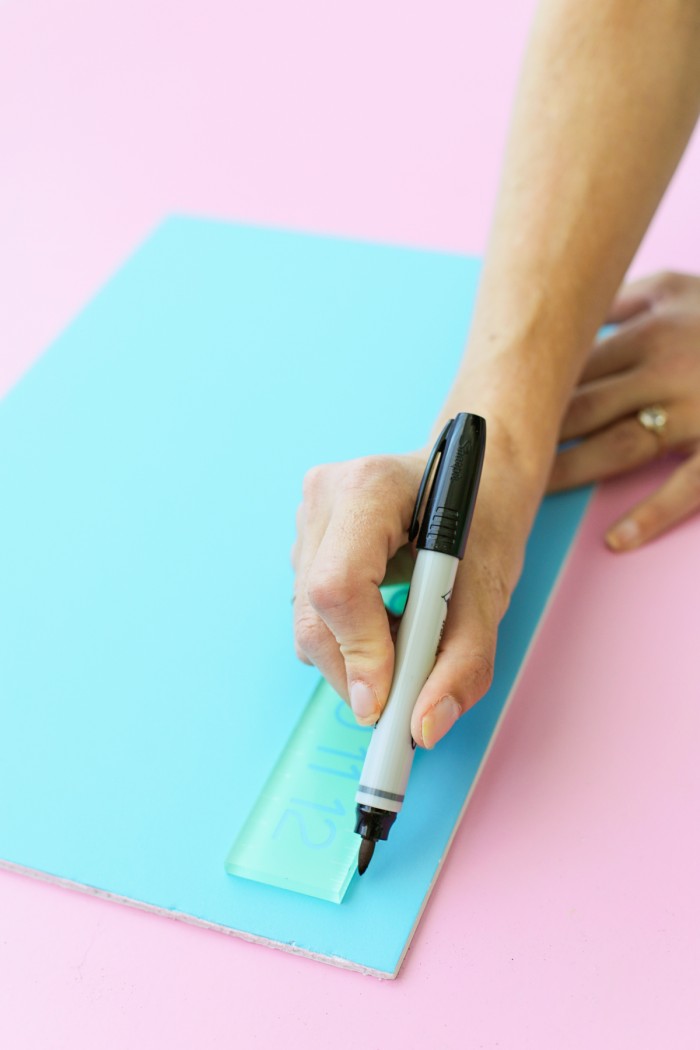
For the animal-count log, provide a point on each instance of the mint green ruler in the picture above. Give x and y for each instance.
(300, 834)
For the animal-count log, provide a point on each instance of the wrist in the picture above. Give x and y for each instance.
(520, 449)
(522, 391)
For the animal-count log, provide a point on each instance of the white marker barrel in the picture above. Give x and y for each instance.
(390, 754)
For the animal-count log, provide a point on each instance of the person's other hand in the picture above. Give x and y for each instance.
(651, 359)
(352, 527)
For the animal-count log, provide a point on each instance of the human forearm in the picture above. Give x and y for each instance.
(608, 98)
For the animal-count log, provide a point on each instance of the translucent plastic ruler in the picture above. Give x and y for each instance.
(300, 833)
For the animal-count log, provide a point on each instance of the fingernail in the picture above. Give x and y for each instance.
(364, 703)
(439, 719)
(624, 535)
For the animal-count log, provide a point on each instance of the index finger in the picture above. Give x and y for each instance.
(343, 587)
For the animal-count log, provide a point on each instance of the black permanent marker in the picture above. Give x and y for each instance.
(459, 453)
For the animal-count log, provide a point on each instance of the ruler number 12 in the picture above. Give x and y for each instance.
(337, 810)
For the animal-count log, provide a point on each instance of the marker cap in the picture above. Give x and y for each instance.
(450, 505)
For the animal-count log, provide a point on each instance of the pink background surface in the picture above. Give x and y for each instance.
(567, 913)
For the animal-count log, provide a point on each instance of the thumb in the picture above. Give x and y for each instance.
(463, 670)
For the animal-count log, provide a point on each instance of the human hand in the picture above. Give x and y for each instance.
(352, 527)
(651, 359)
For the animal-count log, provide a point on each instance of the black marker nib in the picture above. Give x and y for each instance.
(366, 851)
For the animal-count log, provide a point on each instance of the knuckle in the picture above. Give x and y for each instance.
(481, 672)
(369, 652)
(647, 334)
(474, 680)
(330, 590)
(367, 473)
(313, 481)
(676, 360)
(309, 631)
(647, 330)
(367, 476)
(667, 282)
(626, 440)
(581, 408)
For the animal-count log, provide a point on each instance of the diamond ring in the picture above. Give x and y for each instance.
(654, 419)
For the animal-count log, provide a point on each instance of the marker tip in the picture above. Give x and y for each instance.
(366, 851)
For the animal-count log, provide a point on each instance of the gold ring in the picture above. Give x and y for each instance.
(654, 419)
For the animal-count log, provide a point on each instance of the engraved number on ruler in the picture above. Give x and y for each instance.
(336, 763)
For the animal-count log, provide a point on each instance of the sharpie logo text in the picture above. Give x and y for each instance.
(460, 457)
